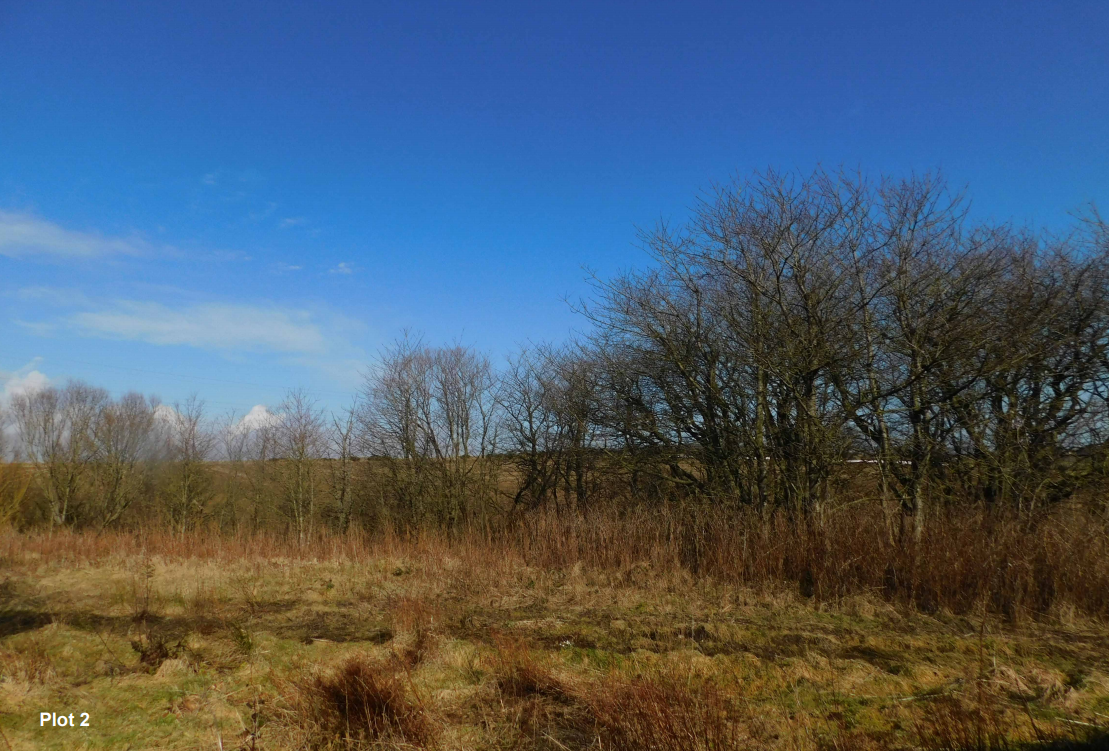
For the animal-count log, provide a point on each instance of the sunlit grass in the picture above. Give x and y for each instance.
(497, 654)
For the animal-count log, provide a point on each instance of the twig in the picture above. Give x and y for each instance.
(6, 742)
(1035, 727)
(408, 676)
(111, 652)
(1078, 722)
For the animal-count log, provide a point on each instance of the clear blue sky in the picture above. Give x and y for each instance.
(232, 197)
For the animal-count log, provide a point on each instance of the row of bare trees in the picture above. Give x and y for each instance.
(93, 460)
(798, 343)
(797, 327)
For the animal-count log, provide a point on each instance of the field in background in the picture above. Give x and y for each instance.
(613, 632)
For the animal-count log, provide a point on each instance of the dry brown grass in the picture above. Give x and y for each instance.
(968, 558)
(30, 665)
(360, 703)
(521, 674)
(662, 713)
(534, 635)
(416, 622)
(984, 723)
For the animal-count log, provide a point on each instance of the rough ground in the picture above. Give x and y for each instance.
(176, 653)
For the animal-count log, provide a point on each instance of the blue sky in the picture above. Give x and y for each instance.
(234, 198)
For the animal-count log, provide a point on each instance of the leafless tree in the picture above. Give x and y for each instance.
(1041, 396)
(433, 413)
(547, 400)
(796, 323)
(462, 429)
(261, 450)
(234, 437)
(300, 444)
(533, 433)
(122, 435)
(189, 445)
(14, 481)
(341, 438)
(56, 432)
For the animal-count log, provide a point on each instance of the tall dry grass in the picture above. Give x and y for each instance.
(968, 559)
(359, 704)
(662, 713)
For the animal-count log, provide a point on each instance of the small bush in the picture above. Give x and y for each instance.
(662, 714)
(520, 674)
(361, 702)
(153, 649)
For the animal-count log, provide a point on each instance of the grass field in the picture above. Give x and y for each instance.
(207, 644)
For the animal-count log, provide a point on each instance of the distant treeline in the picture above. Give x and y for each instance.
(799, 344)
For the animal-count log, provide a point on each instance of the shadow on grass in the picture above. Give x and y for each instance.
(14, 622)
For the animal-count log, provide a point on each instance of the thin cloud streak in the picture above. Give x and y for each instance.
(224, 327)
(56, 297)
(27, 236)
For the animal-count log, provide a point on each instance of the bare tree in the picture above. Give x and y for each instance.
(14, 481)
(261, 450)
(432, 412)
(300, 444)
(1042, 392)
(341, 438)
(122, 436)
(547, 399)
(396, 407)
(188, 445)
(462, 429)
(234, 439)
(56, 431)
(533, 433)
(795, 324)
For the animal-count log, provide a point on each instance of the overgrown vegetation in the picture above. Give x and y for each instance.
(461, 643)
(828, 398)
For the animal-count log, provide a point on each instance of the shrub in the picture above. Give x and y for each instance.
(362, 702)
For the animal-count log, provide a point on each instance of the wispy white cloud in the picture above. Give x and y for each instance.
(37, 328)
(24, 235)
(225, 327)
(54, 297)
(291, 221)
(342, 268)
(282, 267)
